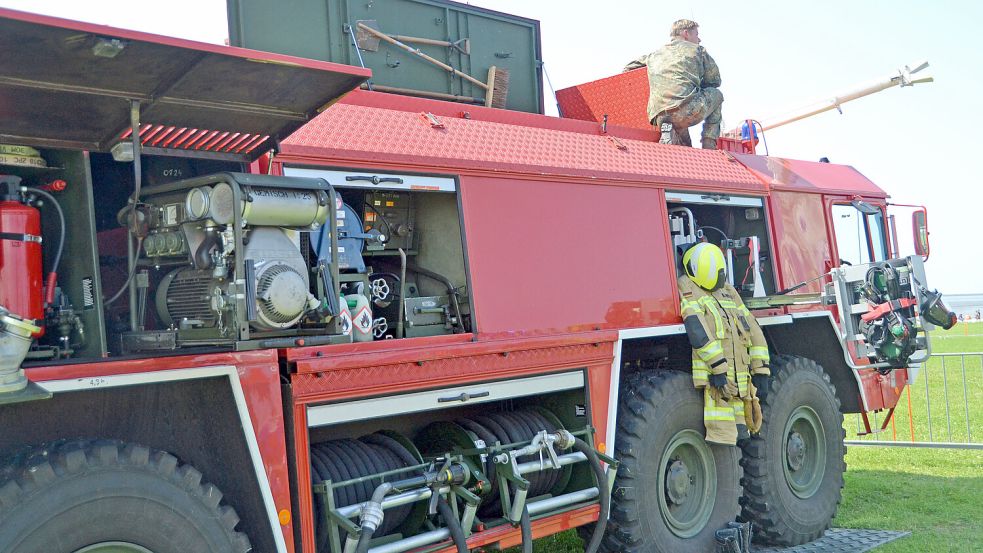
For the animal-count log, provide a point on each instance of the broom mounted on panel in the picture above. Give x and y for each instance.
(496, 87)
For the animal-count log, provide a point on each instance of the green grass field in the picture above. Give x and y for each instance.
(936, 494)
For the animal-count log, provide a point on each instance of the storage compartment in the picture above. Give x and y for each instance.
(503, 442)
(738, 224)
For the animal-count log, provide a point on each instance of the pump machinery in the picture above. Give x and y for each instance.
(384, 323)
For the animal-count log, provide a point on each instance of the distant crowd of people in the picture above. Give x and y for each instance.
(970, 317)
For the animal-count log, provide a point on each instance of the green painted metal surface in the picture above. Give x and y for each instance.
(323, 29)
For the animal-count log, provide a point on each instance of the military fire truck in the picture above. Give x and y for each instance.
(421, 325)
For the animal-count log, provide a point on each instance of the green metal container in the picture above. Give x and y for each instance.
(327, 30)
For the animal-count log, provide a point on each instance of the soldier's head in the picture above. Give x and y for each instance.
(704, 264)
(687, 30)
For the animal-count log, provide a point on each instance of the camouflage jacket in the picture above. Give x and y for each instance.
(676, 72)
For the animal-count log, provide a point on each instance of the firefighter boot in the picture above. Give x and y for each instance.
(728, 541)
(709, 143)
(744, 529)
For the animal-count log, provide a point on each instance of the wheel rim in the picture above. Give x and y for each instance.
(688, 484)
(805, 452)
(114, 547)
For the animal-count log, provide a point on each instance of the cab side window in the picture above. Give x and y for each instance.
(859, 236)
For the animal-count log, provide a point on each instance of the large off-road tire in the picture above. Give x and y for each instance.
(673, 490)
(110, 496)
(793, 469)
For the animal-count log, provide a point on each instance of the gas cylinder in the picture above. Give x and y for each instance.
(361, 317)
(20, 253)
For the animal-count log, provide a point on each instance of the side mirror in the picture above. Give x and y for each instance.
(919, 227)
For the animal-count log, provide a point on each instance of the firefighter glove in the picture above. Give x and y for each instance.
(761, 382)
(720, 381)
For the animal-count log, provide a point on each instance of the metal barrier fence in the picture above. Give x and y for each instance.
(942, 408)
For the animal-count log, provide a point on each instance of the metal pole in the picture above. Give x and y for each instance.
(928, 405)
(945, 391)
(131, 253)
(969, 432)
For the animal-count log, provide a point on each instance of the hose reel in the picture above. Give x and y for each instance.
(485, 465)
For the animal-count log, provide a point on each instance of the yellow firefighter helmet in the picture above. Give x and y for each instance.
(704, 264)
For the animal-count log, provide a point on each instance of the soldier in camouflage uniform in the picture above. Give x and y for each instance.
(683, 87)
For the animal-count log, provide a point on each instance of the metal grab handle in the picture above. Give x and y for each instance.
(374, 179)
(463, 396)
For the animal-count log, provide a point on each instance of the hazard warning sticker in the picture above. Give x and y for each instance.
(363, 320)
(345, 322)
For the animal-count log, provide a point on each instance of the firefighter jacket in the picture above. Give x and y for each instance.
(726, 339)
(676, 72)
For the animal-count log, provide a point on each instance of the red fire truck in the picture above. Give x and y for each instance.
(419, 326)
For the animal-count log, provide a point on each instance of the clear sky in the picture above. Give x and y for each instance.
(920, 143)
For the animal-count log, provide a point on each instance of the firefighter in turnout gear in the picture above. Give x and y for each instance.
(730, 355)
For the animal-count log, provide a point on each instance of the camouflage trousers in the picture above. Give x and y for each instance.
(702, 106)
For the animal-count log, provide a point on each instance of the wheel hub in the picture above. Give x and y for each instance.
(688, 484)
(795, 451)
(805, 452)
(678, 482)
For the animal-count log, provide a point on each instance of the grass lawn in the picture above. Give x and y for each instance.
(936, 494)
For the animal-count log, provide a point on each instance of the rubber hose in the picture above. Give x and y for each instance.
(526, 527)
(602, 492)
(61, 227)
(551, 428)
(366, 536)
(320, 473)
(382, 459)
(521, 433)
(344, 469)
(453, 525)
(545, 479)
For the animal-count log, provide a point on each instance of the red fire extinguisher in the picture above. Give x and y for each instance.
(21, 283)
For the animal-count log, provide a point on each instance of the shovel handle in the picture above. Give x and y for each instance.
(410, 49)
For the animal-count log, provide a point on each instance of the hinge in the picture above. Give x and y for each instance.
(432, 119)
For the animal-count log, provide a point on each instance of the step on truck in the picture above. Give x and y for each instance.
(247, 306)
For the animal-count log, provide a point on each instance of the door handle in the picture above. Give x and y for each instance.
(463, 396)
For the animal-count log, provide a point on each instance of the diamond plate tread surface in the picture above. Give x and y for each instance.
(413, 375)
(623, 98)
(365, 134)
(840, 540)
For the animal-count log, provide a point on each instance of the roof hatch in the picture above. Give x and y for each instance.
(67, 84)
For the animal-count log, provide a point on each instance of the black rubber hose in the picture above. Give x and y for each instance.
(366, 536)
(526, 527)
(602, 492)
(545, 424)
(345, 470)
(493, 499)
(61, 227)
(546, 479)
(520, 432)
(453, 525)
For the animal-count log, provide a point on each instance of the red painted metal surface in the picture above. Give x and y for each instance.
(817, 177)
(259, 375)
(802, 250)
(354, 135)
(20, 262)
(622, 97)
(567, 257)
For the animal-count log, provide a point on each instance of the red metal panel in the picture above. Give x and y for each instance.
(327, 378)
(567, 257)
(352, 134)
(803, 251)
(261, 388)
(622, 97)
(811, 176)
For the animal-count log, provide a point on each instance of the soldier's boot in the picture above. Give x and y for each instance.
(709, 143)
(745, 531)
(728, 541)
(666, 133)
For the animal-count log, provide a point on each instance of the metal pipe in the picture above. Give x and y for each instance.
(902, 78)
(535, 466)
(397, 500)
(419, 540)
(546, 505)
(131, 252)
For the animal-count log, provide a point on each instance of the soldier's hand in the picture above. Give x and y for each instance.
(762, 382)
